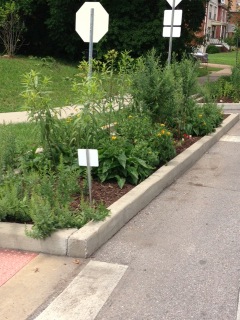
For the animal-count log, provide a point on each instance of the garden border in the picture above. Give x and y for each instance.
(84, 242)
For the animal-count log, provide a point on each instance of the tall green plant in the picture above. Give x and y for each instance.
(153, 87)
(108, 88)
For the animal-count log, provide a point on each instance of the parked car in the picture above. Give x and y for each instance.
(203, 57)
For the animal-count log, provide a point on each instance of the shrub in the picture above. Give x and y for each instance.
(212, 49)
(224, 87)
(134, 150)
(204, 119)
(153, 87)
(235, 81)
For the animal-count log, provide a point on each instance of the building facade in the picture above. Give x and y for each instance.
(234, 17)
(216, 20)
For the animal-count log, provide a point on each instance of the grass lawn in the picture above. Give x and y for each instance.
(205, 70)
(17, 137)
(13, 69)
(228, 58)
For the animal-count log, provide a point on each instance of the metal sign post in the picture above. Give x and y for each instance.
(89, 176)
(90, 56)
(171, 35)
(94, 15)
(88, 158)
(172, 25)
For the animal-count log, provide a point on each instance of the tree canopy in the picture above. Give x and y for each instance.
(134, 25)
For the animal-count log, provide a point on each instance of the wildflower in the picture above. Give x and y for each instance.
(129, 117)
(162, 125)
(159, 134)
(68, 120)
(200, 116)
(162, 131)
(113, 137)
(168, 133)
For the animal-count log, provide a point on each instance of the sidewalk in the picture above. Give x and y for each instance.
(18, 117)
(213, 76)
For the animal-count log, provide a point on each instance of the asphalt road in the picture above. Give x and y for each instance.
(182, 250)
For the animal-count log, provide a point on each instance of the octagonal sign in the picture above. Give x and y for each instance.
(100, 21)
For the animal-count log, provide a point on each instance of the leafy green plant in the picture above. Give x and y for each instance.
(226, 87)
(153, 87)
(212, 49)
(117, 162)
(107, 89)
(235, 81)
(134, 150)
(44, 198)
(204, 119)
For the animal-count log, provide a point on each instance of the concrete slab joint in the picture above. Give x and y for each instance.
(84, 242)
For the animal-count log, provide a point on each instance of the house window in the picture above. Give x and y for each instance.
(215, 14)
(210, 12)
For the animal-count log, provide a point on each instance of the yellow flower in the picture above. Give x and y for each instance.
(162, 131)
(168, 133)
(68, 120)
(129, 117)
(162, 125)
(159, 134)
(113, 137)
(200, 116)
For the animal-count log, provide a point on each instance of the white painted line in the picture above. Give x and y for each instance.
(86, 294)
(228, 138)
(238, 310)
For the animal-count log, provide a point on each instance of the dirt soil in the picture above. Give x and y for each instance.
(109, 192)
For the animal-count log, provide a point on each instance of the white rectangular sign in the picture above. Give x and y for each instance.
(177, 20)
(93, 157)
(167, 32)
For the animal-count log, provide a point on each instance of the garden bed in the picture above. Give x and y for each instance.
(109, 192)
(85, 241)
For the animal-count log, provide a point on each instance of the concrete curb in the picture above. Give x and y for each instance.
(84, 242)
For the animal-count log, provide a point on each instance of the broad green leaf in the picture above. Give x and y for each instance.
(121, 181)
(133, 174)
(122, 160)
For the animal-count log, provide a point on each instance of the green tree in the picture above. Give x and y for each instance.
(11, 28)
(133, 25)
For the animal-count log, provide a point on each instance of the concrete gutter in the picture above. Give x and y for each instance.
(84, 242)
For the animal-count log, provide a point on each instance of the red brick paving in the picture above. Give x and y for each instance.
(11, 261)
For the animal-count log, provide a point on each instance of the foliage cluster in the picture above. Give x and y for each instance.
(11, 28)
(212, 49)
(43, 198)
(132, 140)
(226, 87)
